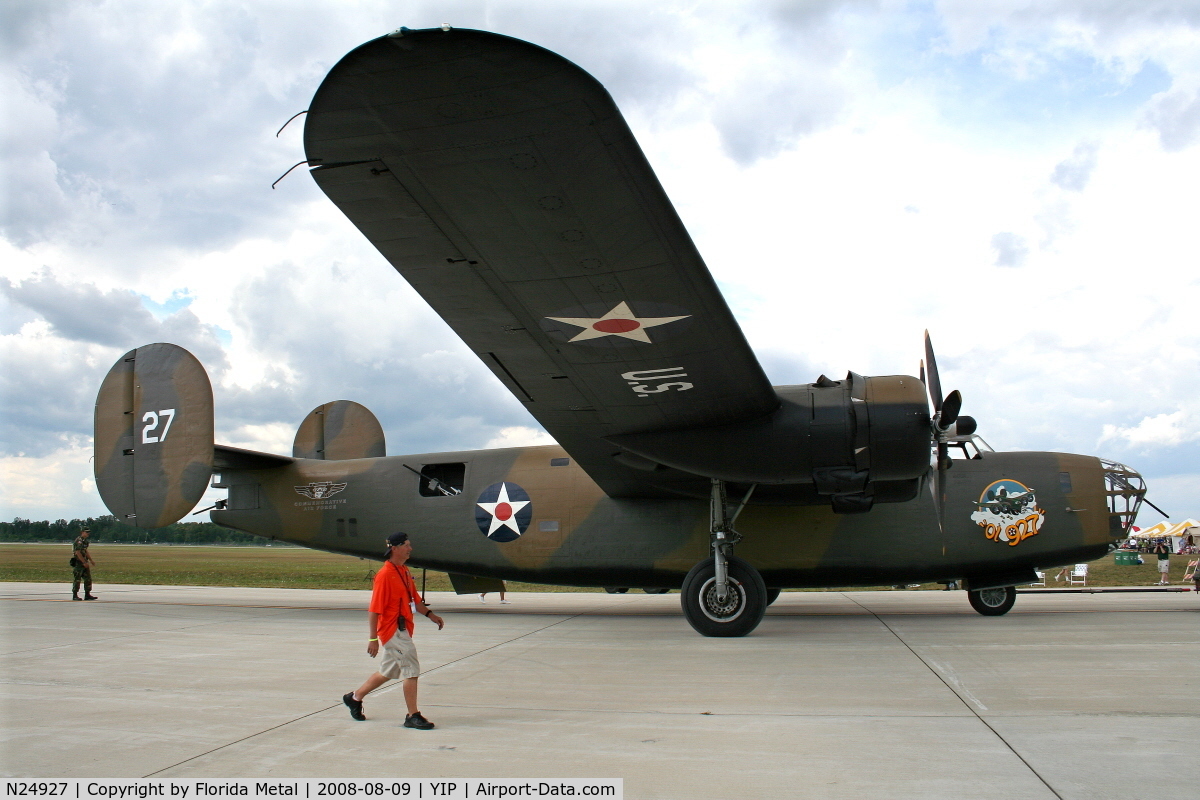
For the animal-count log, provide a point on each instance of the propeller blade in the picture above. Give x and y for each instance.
(950, 408)
(943, 463)
(922, 371)
(935, 491)
(934, 384)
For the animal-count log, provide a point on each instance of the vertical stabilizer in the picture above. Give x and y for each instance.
(339, 430)
(154, 435)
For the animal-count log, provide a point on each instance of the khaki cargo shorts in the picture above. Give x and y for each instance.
(399, 658)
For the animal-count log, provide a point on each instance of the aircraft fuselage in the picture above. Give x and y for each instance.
(554, 525)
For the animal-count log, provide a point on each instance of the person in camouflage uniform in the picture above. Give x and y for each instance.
(82, 563)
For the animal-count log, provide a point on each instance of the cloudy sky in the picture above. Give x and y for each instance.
(1017, 176)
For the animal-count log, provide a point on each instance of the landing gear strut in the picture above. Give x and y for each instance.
(723, 595)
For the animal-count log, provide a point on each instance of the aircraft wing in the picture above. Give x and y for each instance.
(502, 182)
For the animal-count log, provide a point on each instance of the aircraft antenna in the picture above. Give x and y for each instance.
(284, 175)
(289, 122)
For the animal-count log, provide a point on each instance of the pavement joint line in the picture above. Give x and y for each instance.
(723, 714)
(384, 691)
(962, 700)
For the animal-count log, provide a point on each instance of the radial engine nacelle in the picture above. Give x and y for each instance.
(851, 443)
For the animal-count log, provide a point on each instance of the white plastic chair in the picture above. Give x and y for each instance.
(1041, 579)
(1078, 575)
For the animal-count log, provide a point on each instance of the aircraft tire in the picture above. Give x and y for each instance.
(993, 602)
(656, 591)
(616, 589)
(739, 615)
(773, 595)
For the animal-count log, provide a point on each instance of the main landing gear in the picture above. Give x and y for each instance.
(993, 602)
(723, 595)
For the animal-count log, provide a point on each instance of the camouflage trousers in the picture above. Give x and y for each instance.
(83, 574)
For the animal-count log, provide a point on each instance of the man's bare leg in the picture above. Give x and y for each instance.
(409, 687)
(372, 683)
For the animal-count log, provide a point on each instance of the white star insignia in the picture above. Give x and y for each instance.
(503, 511)
(618, 322)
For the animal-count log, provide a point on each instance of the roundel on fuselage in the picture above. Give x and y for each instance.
(503, 511)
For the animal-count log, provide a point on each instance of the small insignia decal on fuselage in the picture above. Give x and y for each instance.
(319, 490)
(1008, 512)
(503, 511)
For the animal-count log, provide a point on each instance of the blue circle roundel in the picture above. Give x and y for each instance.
(503, 511)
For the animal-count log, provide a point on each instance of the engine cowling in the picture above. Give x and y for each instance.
(851, 443)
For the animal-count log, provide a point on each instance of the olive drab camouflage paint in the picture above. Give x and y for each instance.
(154, 435)
(339, 430)
(502, 183)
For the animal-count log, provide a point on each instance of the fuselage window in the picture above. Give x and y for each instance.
(1064, 482)
(442, 480)
(560, 462)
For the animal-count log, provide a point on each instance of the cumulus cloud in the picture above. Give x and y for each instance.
(81, 312)
(57, 485)
(1074, 173)
(51, 368)
(783, 81)
(1011, 249)
(1176, 118)
(520, 436)
(1162, 429)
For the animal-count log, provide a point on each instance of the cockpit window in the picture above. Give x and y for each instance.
(967, 447)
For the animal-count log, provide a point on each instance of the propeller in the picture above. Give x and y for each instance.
(947, 422)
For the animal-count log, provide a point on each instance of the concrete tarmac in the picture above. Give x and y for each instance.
(836, 695)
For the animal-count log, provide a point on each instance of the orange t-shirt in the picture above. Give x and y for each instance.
(391, 594)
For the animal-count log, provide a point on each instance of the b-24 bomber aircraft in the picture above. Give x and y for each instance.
(502, 182)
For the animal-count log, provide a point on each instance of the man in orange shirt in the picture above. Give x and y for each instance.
(390, 622)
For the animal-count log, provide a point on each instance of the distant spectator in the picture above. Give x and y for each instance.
(483, 597)
(1163, 551)
(81, 566)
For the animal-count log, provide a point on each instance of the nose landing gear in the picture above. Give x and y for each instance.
(723, 595)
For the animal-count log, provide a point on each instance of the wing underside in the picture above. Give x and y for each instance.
(501, 181)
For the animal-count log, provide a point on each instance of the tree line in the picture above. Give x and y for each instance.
(109, 529)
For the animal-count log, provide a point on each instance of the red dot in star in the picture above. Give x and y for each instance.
(503, 512)
(616, 325)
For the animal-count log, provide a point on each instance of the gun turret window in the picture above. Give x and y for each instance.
(441, 480)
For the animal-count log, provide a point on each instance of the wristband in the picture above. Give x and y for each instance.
(376, 639)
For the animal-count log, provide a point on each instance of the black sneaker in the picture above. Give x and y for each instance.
(76, 597)
(418, 721)
(90, 597)
(355, 706)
